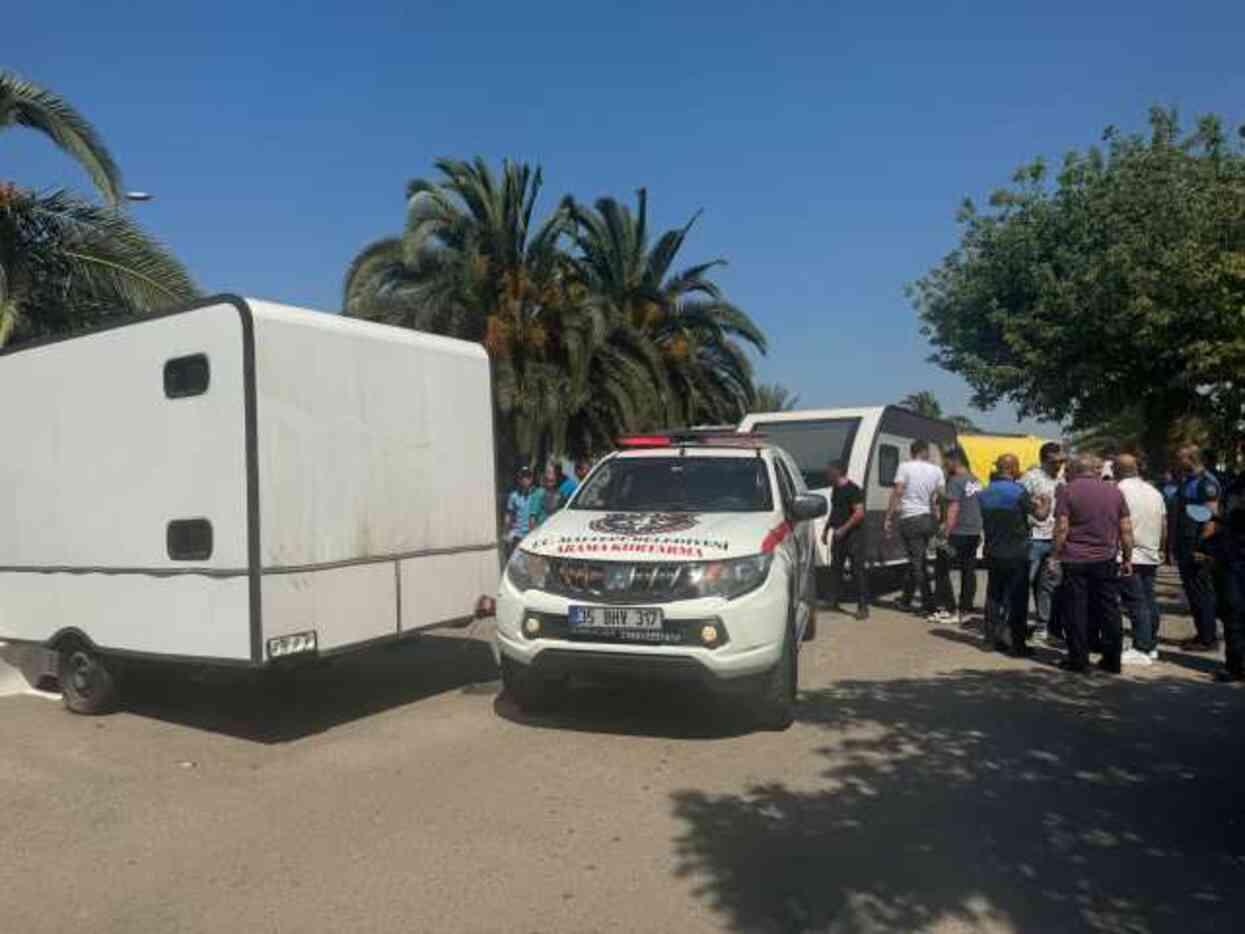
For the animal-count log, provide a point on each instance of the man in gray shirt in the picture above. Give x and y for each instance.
(961, 536)
(1042, 483)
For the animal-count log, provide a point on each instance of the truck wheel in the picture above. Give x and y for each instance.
(776, 710)
(88, 680)
(530, 692)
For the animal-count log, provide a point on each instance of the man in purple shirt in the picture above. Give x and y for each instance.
(1092, 526)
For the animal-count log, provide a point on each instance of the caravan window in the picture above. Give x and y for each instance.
(812, 444)
(189, 539)
(187, 376)
(888, 464)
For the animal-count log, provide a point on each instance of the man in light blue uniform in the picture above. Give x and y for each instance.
(520, 508)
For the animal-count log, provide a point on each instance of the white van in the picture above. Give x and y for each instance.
(240, 483)
(871, 441)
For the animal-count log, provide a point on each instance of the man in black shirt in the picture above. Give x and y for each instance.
(846, 524)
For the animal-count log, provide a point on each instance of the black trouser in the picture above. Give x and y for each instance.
(1199, 589)
(962, 557)
(1092, 603)
(916, 532)
(850, 546)
(1007, 600)
(1230, 603)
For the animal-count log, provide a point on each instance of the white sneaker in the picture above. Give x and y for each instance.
(940, 616)
(1133, 657)
(1153, 654)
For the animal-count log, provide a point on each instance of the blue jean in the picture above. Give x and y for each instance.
(1041, 582)
(1137, 596)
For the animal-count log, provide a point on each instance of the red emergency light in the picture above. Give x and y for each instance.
(682, 439)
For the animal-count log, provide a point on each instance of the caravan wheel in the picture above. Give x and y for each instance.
(88, 682)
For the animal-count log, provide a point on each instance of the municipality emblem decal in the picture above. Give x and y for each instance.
(649, 523)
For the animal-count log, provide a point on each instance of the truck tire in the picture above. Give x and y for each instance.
(530, 692)
(776, 707)
(89, 682)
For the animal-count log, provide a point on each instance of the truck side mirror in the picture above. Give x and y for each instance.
(808, 506)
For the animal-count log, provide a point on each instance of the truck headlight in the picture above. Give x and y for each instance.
(527, 571)
(729, 579)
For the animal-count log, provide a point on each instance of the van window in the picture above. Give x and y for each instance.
(812, 443)
(189, 539)
(888, 464)
(187, 376)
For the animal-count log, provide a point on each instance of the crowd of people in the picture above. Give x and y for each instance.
(529, 504)
(1082, 538)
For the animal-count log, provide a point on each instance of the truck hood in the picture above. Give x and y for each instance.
(656, 536)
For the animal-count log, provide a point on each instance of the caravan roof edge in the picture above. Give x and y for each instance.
(223, 298)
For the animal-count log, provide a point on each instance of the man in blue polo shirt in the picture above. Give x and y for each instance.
(1005, 511)
(1197, 503)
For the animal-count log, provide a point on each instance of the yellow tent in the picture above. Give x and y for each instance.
(984, 451)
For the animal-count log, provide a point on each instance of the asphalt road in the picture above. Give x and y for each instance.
(926, 786)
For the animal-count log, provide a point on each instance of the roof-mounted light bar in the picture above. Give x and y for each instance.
(684, 439)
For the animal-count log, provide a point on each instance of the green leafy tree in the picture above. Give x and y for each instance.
(773, 397)
(66, 262)
(684, 315)
(1117, 282)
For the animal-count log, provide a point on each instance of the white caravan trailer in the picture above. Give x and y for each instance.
(871, 441)
(240, 483)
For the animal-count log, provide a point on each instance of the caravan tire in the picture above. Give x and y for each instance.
(89, 682)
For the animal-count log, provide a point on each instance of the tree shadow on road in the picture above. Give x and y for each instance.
(281, 709)
(1029, 800)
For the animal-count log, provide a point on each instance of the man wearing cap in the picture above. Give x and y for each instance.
(520, 509)
(1197, 503)
(1042, 482)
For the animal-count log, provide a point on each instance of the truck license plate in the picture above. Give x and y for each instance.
(610, 617)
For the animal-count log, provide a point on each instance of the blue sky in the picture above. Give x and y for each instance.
(828, 145)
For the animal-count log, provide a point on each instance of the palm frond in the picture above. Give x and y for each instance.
(24, 103)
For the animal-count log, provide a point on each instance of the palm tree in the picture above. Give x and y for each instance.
(773, 397)
(66, 263)
(472, 264)
(923, 403)
(698, 335)
(24, 103)
(927, 404)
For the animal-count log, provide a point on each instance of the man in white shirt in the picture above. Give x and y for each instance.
(1149, 515)
(918, 483)
(1042, 483)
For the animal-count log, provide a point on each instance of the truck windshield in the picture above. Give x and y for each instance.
(678, 484)
(812, 443)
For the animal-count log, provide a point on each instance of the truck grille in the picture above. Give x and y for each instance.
(618, 581)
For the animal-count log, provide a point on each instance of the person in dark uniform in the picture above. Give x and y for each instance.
(1005, 510)
(847, 526)
(1197, 503)
(1224, 550)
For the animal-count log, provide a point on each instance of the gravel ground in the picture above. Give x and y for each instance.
(927, 785)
